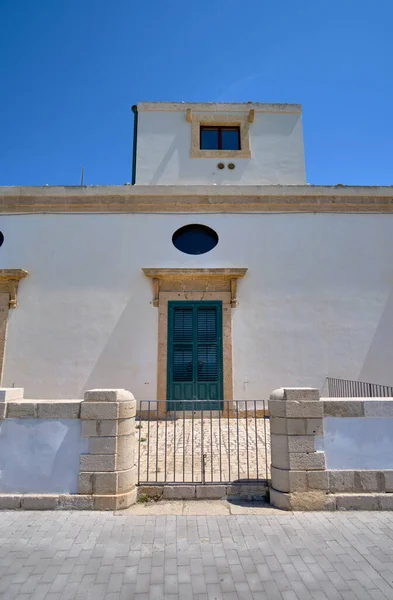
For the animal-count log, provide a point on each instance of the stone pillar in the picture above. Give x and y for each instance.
(299, 480)
(108, 471)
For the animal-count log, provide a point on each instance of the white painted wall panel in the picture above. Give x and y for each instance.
(358, 443)
(164, 146)
(40, 455)
(317, 299)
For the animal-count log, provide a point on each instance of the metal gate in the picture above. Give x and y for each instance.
(203, 446)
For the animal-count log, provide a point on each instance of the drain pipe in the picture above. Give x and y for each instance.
(134, 145)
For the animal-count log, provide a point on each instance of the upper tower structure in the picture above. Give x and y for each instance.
(223, 144)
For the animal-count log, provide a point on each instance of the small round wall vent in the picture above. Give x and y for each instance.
(1, 238)
(195, 239)
(220, 166)
(231, 166)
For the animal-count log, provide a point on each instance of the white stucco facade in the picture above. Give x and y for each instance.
(40, 455)
(316, 301)
(164, 146)
(358, 444)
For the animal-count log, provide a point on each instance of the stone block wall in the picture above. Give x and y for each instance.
(68, 454)
(330, 454)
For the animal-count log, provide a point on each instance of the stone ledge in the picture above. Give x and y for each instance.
(110, 395)
(360, 481)
(378, 501)
(113, 410)
(42, 409)
(9, 394)
(302, 501)
(66, 501)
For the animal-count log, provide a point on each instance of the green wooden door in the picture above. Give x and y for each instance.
(195, 371)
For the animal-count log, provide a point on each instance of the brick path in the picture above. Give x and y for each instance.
(243, 446)
(62, 556)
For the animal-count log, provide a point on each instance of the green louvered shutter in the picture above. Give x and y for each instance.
(195, 355)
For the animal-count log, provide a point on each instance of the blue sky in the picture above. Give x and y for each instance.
(70, 71)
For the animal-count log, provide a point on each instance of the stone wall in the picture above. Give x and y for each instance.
(330, 454)
(74, 454)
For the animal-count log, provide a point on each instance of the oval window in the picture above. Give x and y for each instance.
(195, 239)
(1, 238)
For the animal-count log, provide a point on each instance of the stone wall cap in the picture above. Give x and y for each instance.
(108, 395)
(295, 394)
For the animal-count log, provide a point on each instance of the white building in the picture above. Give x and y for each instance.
(273, 282)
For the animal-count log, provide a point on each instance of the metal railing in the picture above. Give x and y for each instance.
(203, 443)
(345, 388)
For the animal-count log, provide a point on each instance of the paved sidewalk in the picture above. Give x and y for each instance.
(318, 556)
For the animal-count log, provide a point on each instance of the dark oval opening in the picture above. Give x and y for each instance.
(1, 238)
(195, 239)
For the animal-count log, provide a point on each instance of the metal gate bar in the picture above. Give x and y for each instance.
(203, 445)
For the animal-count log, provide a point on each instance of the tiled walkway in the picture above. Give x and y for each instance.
(228, 449)
(62, 556)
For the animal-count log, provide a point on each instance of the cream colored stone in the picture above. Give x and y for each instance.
(280, 499)
(113, 427)
(100, 410)
(126, 446)
(368, 481)
(301, 394)
(56, 409)
(210, 492)
(307, 462)
(277, 408)
(10, 501)
(378, 408)
(279, 425)
(85, 483)
(301, 443)
(343, 408)
(341, 481)
(357, 501)
(317, 480)
(296, 426)
(279, 451)
(105, 483)
(115, 502)
(388, 477)
(108, 395)
(179, 492)
(90, 428)
(386, 502)
(127, 479)
(125, 458)
(97, 462)
(102, 445)
(10, 394)
(314, 426)
(127, 410)
(284, 480)
(39, 502)
(75, 502)
(310, 501)
(21, 410)
(300, 410)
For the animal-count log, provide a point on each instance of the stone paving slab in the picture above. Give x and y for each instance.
(200, 507)
(213, 450)
(286, 556)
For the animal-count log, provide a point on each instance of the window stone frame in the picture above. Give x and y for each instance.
(215, 119)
